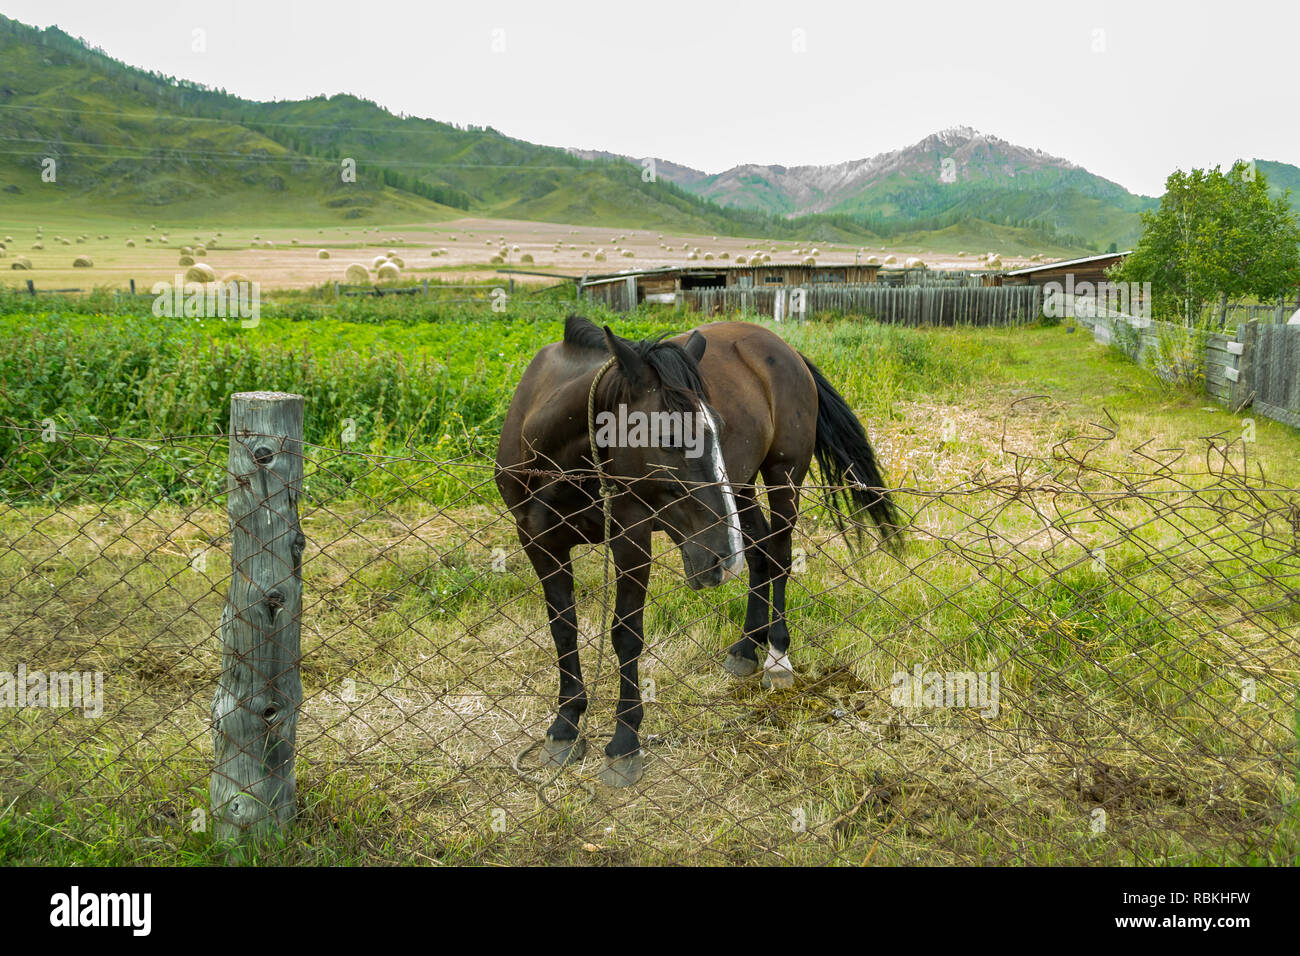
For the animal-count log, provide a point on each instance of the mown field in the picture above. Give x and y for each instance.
(1113, 548)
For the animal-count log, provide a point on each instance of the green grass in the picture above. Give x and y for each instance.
(426, 672)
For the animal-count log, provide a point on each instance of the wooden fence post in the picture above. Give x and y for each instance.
(259, 693)
(1243, 389)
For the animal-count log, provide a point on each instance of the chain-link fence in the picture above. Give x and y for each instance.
(1063, 664)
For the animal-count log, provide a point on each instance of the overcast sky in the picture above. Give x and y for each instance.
(1129, 90)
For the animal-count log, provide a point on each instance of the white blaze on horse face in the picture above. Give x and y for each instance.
(734, 562)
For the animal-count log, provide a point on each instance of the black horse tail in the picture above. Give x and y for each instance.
(848, 463)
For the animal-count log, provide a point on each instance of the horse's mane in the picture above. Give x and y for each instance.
(678, 373)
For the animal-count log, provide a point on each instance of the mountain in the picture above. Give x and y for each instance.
(124, 141)
(953, 176)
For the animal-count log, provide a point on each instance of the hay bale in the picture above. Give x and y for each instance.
(322, 253)
(83, 261)
(708, 257)
(199, 252)
(356, 273)
(398, 261)
(995, 262)
(873, 260)
(740, 260)
(599, 257)
(914, 263)
(628, 254)
(586, 255)
(186, 261)
(187, 250)
(66, 242)
(809, 261)
(130, 243)
(200, 272)
(378, 261)
(497, 261)
(235, 277)
(38, 245)
(692, 255)
(162, 239)
(526, 259)
(389, 270)
(890, 260)
(22, 262)
(724, 255)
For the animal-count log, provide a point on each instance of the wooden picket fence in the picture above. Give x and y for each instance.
(905, 305)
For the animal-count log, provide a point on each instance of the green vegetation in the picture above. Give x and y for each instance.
(1120, 679)
(1216, 234)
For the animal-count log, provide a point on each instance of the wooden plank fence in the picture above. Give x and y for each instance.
(903, 305)
(1257, 365)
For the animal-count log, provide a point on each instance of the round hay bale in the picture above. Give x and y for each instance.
(740, 260)
(356, 273)
(162, 239)
(526, 259)
(186, 261)
(66, 242)
(995, 262)
(628, 254)
(187, 250)
(130, 243)
(378, 261)
(322, 253)
(809, 261)
(235, 278)
(873, 260)
(81, 239)
(497, 261)
(914, 263)
(199, 252)
(708, 257)
(38, 245)
(270, 244)
(389, 270)
(22, 262)
(724, 255)
(586, 255)
(200, 272)
(398, 261)
(83, 261)
(692, 255)
(890, 260)
(599, 257)
(293, 242)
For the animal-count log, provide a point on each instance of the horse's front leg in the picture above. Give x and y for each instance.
(743, 657)
(778, 672)
(563, 745)
(624, 762)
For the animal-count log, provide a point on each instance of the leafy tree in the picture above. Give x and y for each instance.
(1215, 234)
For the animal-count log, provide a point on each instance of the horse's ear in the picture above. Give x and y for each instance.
(631, 364)
(696, 345)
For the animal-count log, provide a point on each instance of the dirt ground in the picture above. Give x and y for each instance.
(464, 249)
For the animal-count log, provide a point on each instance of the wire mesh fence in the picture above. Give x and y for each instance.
(1064, 663)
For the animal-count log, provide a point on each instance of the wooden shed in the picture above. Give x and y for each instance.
(1088, 269)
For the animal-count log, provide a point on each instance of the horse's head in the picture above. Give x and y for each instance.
(660, 439)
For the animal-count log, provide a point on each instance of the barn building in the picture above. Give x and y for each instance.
(626, 290)
(1088, 269)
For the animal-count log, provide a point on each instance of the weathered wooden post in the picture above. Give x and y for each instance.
(1243, 389)
(255, 709)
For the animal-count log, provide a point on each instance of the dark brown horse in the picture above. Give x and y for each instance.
(679, 420)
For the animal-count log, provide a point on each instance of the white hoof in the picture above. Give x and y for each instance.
(778, 672)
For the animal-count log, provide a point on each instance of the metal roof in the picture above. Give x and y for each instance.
(1066, 262)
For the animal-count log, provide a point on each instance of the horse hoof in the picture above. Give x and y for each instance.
(740, 666)
(559, 753)
(622, 771)
(778, 679)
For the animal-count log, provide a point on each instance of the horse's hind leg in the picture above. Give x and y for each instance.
(783, 496)
(563, 745)
(743, 656)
